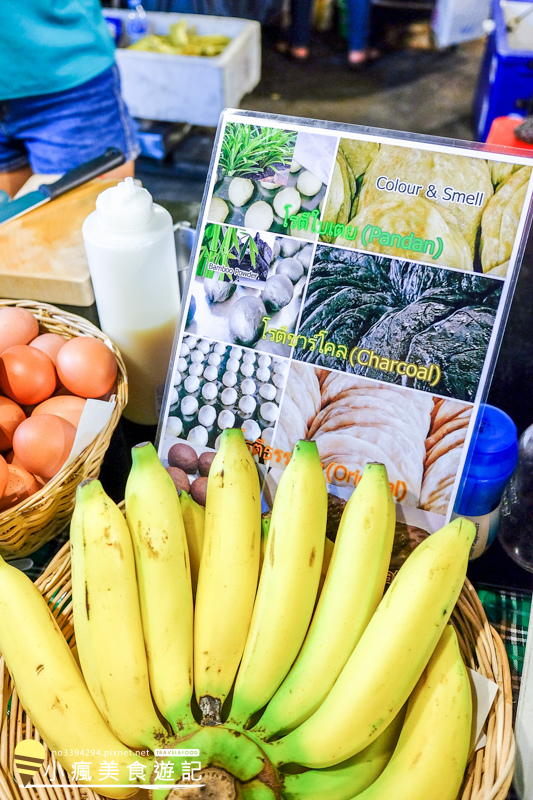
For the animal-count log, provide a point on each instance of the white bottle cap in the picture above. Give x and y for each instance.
(124, 207)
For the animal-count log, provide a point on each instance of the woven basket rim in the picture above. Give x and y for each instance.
(489, 772)
(19, 533)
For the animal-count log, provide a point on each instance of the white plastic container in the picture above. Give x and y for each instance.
(131, 252)
(193, 89)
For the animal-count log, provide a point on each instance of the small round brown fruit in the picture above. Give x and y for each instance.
(204, 463)
(183, 456)
(199, 490)
(180, 478)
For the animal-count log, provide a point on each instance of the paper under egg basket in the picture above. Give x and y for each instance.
(487, 777)
(33, 522)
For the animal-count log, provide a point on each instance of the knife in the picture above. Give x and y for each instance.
(113, 157)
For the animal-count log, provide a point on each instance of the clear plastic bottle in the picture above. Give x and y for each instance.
(136, 23)
(516, 516)
(131, 252)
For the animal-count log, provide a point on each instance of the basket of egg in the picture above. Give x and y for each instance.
(51, 362)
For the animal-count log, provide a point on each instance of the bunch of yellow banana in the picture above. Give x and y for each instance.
(280, 661)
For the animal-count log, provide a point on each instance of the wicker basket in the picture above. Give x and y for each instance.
(30, 524)
(488, 775)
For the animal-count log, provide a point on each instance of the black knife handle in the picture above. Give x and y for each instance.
(113, 157)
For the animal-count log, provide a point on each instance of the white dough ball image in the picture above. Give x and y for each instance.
(209, 391)
(177, 378)
(217, 440)
(232, 364)
(247, 369)
(249, 357)
(197, 356)
(248, 386)
(251, 430)
(184, 349)
(240, 190)
(267, 391)
(191, 384)
(269, 411)
(235, 352)
(210, 373)
(207, 415)
(226, 419)
(281, 367)
(287, 197)
(204, 346)
(279, 394)
(196, 369)
(214, 359)
(182, 364)
(264, 361)
(218, 210)
(174, 426)
(191, 341)
(263, 374)
(308, 183)
(268, 435)
(259, 216)
(269, 185)
(189, 406)
(247, 404)
(294, 166)
(278, 380)
(219, 348)
(229, 379)
(174, 396)
(198, 435)
(228, 396)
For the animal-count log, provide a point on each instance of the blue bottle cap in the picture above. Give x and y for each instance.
(491, 460)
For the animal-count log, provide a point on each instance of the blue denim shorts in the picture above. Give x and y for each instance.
(56, 132)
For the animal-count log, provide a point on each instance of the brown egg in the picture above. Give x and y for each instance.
(11, 415)
(27, 375)
(17, 326)
(43, 443)
(20, 485)
(49, 343)
(4, 475)
(86, 366)
(68, 406)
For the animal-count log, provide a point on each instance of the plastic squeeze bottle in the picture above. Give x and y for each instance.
(130, 248)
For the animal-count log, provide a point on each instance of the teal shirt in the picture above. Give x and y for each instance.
(51, 45)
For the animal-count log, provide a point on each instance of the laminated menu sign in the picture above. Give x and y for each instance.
(348, 286)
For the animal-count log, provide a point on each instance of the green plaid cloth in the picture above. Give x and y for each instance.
(508, 612)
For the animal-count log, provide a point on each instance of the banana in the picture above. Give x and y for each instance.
(432, 751)
(229, 568)
(194, 520)
(154, 518)
(350, 777)
(288, 584)
(352, 591)
(107, 618)
(52, 690)
(391, 655)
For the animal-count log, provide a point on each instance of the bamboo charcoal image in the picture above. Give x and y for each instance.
(457, 211)
(396, 321)
(269, 199)
(234, 308)
(354, 420)
(233, 254)
(218, 387)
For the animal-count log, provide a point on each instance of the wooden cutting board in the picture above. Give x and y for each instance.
(42, 255)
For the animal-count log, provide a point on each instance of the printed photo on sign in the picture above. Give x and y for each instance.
(397, 321)
(354, 420)
(217, 387)
(268, 175)
(236, 312)
(430, 206)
